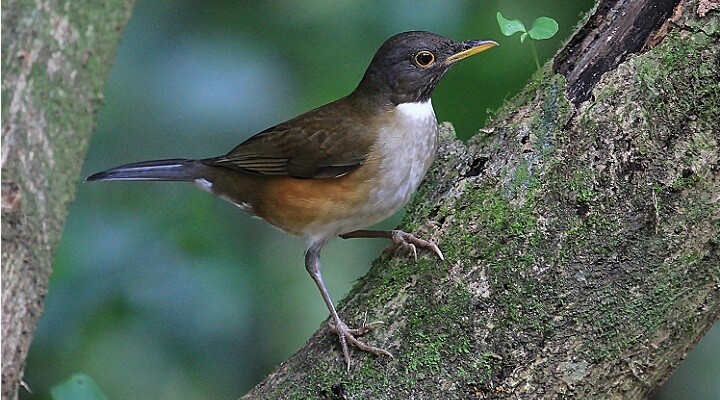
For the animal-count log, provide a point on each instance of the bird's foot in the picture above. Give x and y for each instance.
(401, 241)
(409, 243)
(349, 335)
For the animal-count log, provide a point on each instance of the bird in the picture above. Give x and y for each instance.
(338, 168)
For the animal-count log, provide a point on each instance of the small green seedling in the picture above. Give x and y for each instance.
(543, 28)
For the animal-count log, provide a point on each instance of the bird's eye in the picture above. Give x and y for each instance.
(424, 58)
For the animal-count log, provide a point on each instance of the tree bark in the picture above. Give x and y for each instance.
(581, 232)
(55, 60)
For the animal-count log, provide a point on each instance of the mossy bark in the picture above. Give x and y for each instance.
(581, 233)
(55, 60)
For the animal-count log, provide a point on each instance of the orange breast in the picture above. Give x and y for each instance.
(299, 205)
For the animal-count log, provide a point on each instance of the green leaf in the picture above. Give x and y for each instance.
(77, 387)
(543, 28)
(509, 27)
(523, 37)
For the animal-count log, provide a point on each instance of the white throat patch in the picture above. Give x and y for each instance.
(417, 111)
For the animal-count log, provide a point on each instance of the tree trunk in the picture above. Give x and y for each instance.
(55, 60)
(580, 229)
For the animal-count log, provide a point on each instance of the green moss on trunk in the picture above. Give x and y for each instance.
(56, 58)
(581, 247)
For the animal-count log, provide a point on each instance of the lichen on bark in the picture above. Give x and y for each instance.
(581, 243)
(56, 58)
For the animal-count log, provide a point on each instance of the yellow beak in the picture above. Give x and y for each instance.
(470, 48)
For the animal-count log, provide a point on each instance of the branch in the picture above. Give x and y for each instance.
(581, 232)
(56, 58)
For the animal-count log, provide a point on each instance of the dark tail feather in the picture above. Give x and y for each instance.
(159, 170)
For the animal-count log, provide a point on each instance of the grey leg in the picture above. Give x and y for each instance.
(312, 264)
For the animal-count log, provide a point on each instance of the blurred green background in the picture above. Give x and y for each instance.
(161, 291)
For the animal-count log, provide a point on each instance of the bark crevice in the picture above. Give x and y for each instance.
(615, 30)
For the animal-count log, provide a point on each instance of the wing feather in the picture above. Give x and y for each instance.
(317, 144)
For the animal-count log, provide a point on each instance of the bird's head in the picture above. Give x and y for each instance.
(409, 65)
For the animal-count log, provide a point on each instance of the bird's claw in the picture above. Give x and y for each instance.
(409, 243)
(348, 335)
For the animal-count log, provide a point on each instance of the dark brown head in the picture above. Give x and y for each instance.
(409, 65)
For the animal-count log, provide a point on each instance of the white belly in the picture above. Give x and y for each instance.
(405, 151)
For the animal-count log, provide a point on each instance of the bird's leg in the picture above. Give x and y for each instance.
(347, 335)
(400, 239)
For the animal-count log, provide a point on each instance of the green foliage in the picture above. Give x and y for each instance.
(542, 28)
(77, 387)
(509, 27)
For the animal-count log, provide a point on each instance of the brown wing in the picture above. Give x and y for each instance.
(318, 144)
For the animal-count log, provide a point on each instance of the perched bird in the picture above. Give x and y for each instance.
(340, 167)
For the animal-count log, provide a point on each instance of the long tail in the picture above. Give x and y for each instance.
(158, 170)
